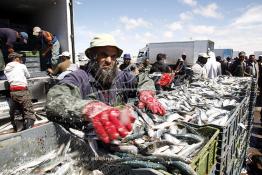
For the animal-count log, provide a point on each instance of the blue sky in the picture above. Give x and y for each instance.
(229, 23)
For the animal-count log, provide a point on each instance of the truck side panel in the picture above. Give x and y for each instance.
(53, 16)
(173, 50)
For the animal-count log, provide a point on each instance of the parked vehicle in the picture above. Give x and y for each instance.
(224, 53)
(174, 50)
(53, 16)
(257, 53)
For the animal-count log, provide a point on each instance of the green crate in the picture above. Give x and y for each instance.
(205, 160)
(30, 53)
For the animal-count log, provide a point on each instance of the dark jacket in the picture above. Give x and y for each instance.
(123, 66)
(225, 68)
(238, 68)
(8, 37)
(160, 67)
(66, 100)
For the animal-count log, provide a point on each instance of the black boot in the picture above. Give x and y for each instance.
(29, 123)
(18, 125)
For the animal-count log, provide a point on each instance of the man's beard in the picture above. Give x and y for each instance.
(104, 76)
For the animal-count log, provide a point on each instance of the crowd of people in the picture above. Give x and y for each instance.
(94, 93)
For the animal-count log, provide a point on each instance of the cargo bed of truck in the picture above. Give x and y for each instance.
(38, 88)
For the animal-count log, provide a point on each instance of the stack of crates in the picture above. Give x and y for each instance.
(32, 61)
(41, 140)
(236, 154)
(251, 107)
(232, 137)
(243, 142)
(33, 64)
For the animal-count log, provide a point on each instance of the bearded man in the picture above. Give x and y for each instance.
(93, 95)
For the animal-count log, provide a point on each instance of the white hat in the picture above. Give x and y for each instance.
(36, 31)
(65, 54)
(204, 55)
(102, 40)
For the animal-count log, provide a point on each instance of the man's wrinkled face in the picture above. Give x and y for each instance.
(106, 57)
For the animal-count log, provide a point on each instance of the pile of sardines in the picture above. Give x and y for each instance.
(160, 143)
(167, 143)
(206, 102)
(60, 161)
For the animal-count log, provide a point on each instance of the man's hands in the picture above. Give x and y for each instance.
(147, 99)
(165, 80)
(109, 123)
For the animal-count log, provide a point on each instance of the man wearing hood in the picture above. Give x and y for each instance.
(21, 109)
(211, 65)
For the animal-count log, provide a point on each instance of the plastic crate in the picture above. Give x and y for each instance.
(31, 54)
(32, 60)
(33, 65)
(38, 141)
(205, 160)
(227, 133)
(224, 162)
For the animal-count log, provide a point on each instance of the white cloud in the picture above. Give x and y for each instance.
(168, 34)
(175, 26)
(252, 16)
(185, 16)
(78, 2)
(201, 29)
(131, 23)
(83, 36)
(208, 11)
(190, 2)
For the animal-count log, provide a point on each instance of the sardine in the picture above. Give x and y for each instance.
(173, 117)
(64, 169)
(143, 164)
(125, 148)
(145, 117)
(183, 168)
(37, 162)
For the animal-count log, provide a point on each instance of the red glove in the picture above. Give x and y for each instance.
(147, 99)
(165, 80)
(109, 123)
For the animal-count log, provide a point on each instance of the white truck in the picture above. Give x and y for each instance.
(55, 16)
(224, 53)
(174, 50)
(257, 54)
